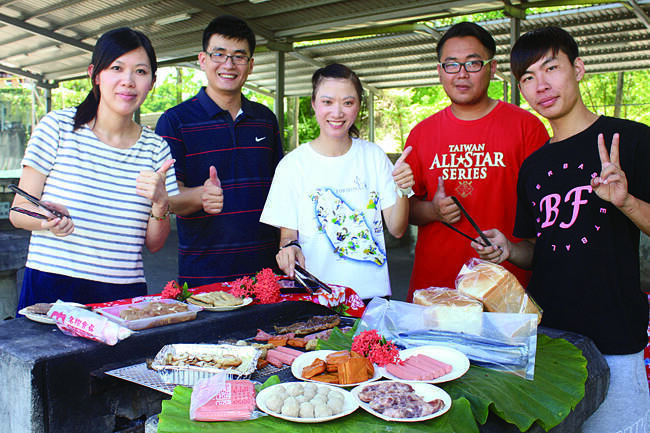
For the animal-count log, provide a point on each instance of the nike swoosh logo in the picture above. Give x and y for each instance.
(258, 139)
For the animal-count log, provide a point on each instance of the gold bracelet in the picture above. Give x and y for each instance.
(160, 218)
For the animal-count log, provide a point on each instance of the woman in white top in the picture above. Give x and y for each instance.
(107, 175)
(328, 196)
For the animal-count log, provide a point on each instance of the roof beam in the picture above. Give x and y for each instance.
(216, 10)
(320, 64)
(639, 12)
(40, 79)
(45, 33)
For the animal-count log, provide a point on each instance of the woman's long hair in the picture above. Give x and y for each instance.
(337, 70)
(110, 46)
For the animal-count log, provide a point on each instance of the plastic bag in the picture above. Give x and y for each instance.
(219, 399)
(501, 341)
(496, 287)
(79, 322)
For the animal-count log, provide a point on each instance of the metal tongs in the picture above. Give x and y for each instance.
(486, 242)
(35, 201)
(300, 270)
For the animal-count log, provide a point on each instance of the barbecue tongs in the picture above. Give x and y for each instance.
(305, 274)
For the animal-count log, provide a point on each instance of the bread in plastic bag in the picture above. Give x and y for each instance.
(496, 287)
(449, 309)
(218, 399)
(79, 322)
(501, 341)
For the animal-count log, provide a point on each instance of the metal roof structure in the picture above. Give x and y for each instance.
(389, 43)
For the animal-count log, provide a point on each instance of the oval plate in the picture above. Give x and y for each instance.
(44, 318)
(247, 301)
(427, 391)
(350, 404)
(307, 358)
(451, 356)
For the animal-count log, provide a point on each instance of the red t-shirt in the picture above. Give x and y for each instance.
(479, 161)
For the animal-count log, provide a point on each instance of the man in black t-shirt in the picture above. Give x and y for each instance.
(582, 199)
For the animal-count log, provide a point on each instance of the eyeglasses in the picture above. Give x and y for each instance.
(470, 66)
(237, 59)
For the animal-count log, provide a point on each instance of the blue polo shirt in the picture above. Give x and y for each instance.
(245, 152)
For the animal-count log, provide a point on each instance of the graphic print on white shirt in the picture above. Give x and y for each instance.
(346, 228)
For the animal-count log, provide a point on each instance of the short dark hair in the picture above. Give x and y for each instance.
(531, 46)
(467, 28)
(111, 45)
(231, 27)
(337, 70)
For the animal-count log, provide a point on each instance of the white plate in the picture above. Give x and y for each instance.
(350, 404)
(247, 301)
(307, 358)
(453, 357)
(44, 318)
(426, 391)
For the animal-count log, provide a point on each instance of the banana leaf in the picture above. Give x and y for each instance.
(560, 375)
(174, 418)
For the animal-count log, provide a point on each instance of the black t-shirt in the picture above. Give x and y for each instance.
(586, 274)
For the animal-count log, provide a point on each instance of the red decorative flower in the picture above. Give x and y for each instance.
(173, 291)
(264, 287)
(376, 348)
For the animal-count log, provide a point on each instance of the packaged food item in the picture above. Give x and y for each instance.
(218, 399)
(80, 322)
(503, 341)
(496, 287)
(449, 309)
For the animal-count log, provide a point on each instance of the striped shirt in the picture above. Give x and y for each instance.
(222, 247)
(96, 183)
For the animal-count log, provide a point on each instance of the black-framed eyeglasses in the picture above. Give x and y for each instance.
(237, 59)
(470, 66)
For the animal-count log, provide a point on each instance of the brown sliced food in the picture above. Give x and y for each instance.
(315, 324)
(316, 367)
(40, 308)
(215, 299)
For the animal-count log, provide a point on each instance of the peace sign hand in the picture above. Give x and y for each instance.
(611, 185)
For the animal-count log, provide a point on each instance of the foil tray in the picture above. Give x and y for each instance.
(140, 374)
(189, 375)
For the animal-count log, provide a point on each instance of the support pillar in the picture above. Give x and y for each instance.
(279, 89)
(515, 31)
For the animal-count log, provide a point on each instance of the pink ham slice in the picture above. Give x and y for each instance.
(419, 367)
(289, 351)
(275, 355)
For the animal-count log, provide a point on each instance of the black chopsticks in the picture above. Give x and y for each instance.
(486, 242)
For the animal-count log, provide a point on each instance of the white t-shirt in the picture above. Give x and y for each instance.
(335, 203)
(96, 183)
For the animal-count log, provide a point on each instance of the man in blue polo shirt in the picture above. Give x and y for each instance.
(226, 149)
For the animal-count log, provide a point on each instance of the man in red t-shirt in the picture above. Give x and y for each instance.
(472, 150)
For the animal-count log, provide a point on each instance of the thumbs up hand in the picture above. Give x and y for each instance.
(443, 206)
(212, 194)
(151, 184)
(402, 173)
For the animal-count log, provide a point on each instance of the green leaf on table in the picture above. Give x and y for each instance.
(273, 380)
(560, 376)
(338, 339)
(174, 418)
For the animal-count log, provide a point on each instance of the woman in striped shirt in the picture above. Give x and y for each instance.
(107, 175)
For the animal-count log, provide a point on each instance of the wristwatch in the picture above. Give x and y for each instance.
(293, 243)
